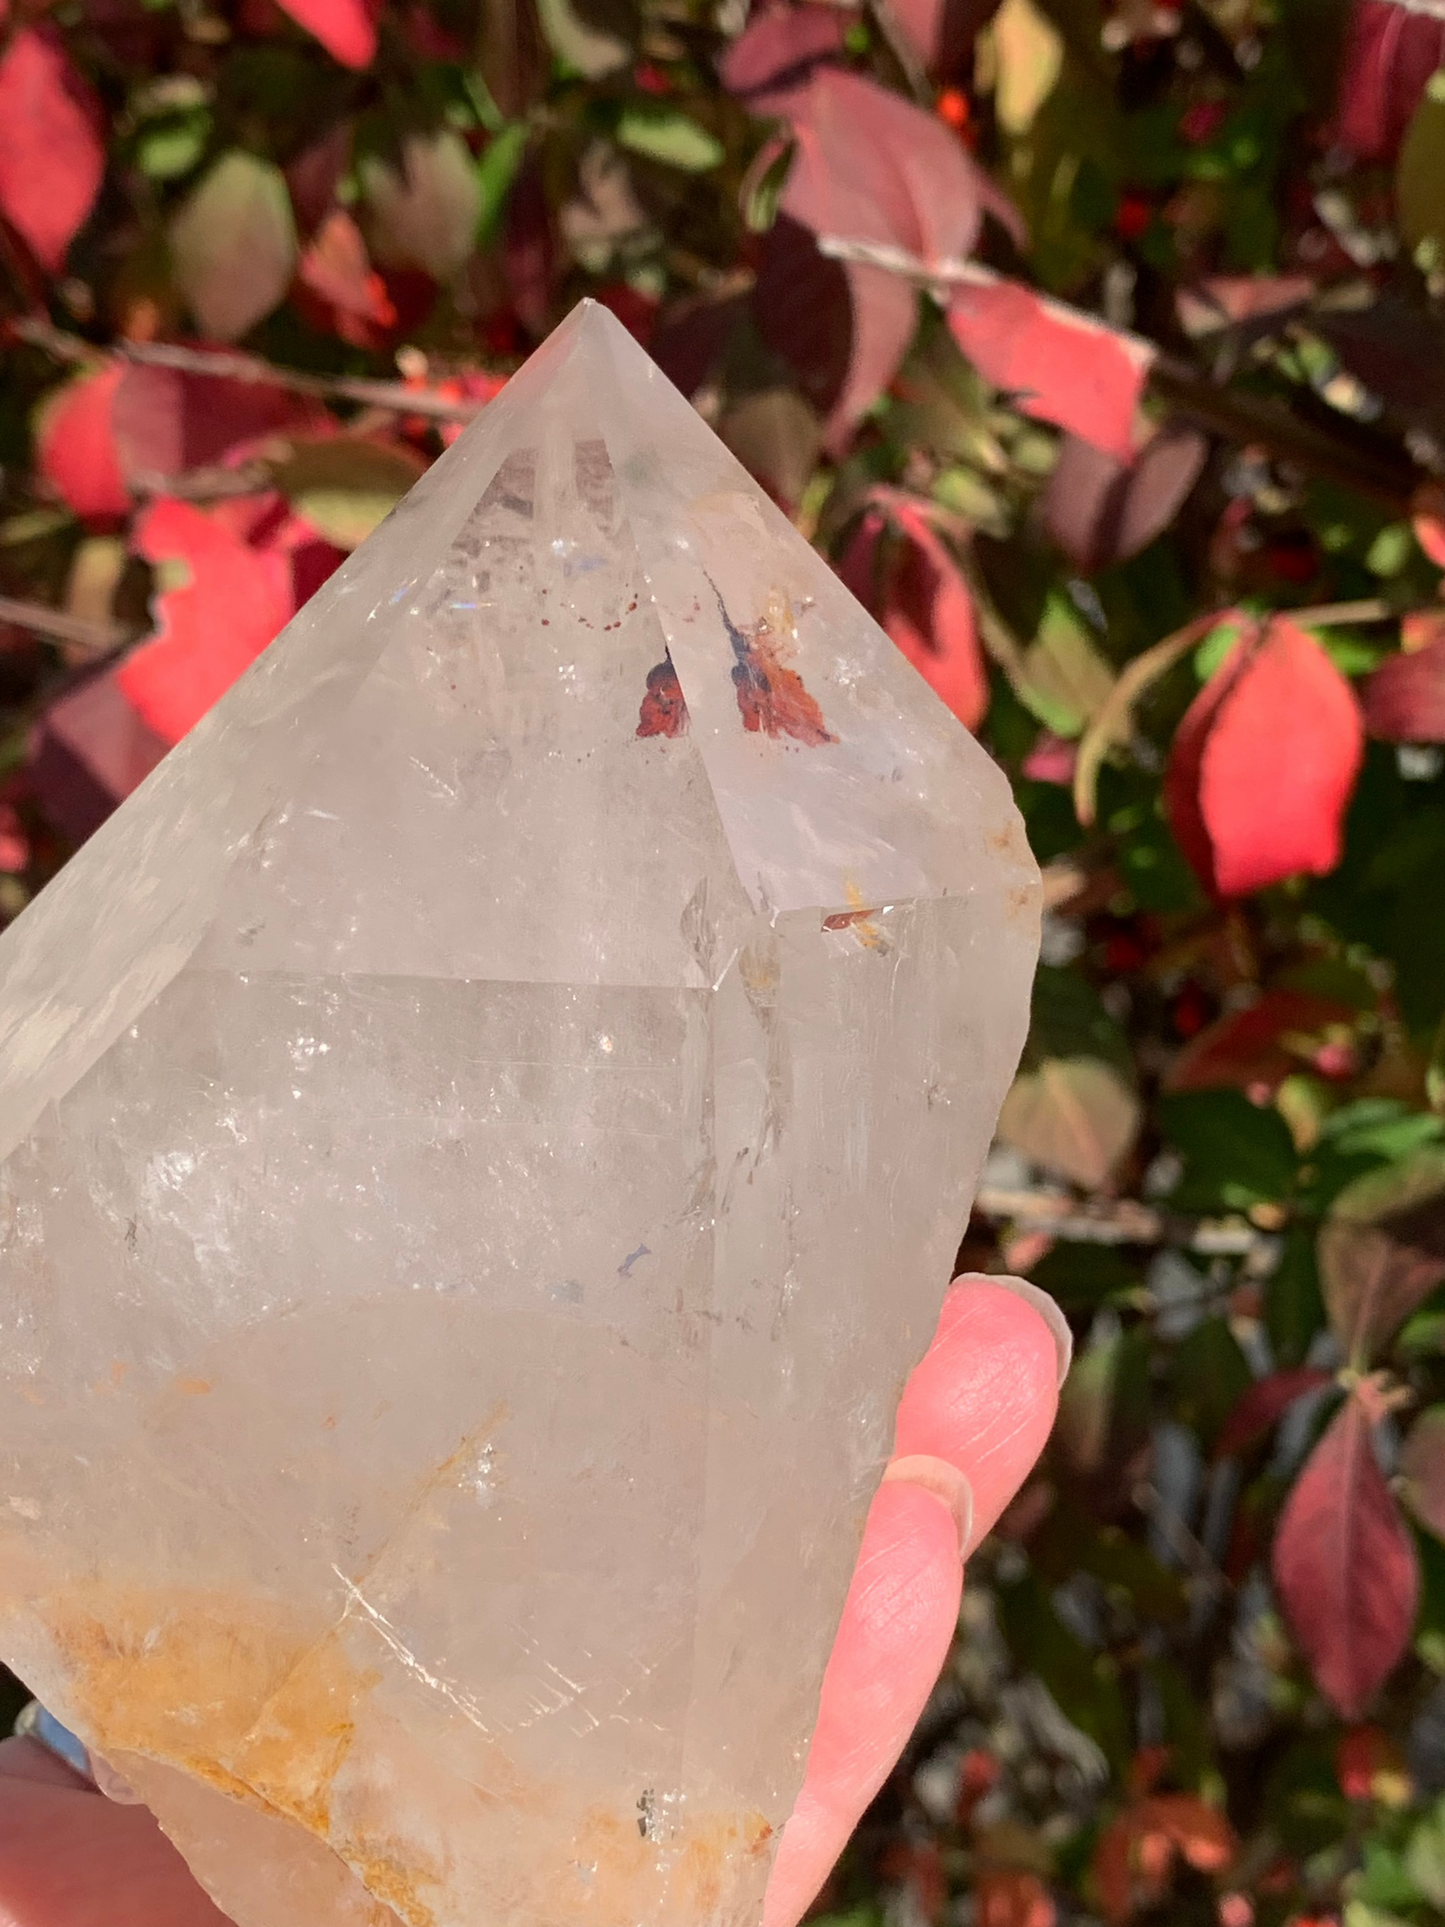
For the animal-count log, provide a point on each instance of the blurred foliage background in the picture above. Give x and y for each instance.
(1100, 344)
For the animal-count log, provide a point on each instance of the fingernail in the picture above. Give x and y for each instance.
(1046, 1308)
(945, 1482)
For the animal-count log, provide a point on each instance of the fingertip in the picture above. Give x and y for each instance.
(983, 1398)
(1041, 1301)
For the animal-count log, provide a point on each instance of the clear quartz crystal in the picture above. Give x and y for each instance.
(485, 1128)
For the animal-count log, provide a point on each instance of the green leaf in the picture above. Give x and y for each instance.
(1067, 1019)
(1082, 1277)
(170, 147)
(1211, 653)
(345, 486)
(580, 46)
(1294, 1309)
(1235, 1153)
(1420, 178)
(1351, 655)
(1209, 1374)
(665, 134)
(233, 245)
(1086, 1404)
(1425, 1856)
(1390, 550)
(1066, 681)
(496, 171)
(1084, 1684)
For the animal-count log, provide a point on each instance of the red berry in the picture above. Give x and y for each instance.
(1132, 216)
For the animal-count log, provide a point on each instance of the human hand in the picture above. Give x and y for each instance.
(973, 1419)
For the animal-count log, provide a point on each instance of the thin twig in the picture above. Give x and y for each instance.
(1117, 1221)
(394, 396)
(98, 637)
(1331, 615)
(211, 484)
(1112, 722)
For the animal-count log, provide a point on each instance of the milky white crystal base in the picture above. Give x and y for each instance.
(475, 1178)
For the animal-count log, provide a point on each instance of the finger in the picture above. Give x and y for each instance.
(974, 1415)
(984, 1397)
(70, 1858)
(894, 1636)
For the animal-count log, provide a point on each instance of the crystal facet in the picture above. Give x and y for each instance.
(485, 1130)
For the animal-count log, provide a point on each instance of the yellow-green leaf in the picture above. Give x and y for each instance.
(1420, 178)
(233, 245)
(1029, 54)
(347, 485)
(1066, 680)
(664, 134)
(1075, 1116)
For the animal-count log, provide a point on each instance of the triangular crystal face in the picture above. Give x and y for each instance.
(485, 1129)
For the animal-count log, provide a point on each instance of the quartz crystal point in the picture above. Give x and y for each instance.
(485, 1129)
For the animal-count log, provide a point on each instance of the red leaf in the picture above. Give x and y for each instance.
(167, 422)
(1248, 1048)
(1135, 1854)
(51, 157)
(1009, 1897)
(88, 752)
(75, 444)
(843, 329)
(943, 31)
(1422, 1467)
(335, 270)
(1113, 1869)
(1372, 1281)
(529, 245)
(1264, 762)
(778, 48)
(1428, 521)
(1051, 760)
(1200, 1831)
(1101, 510)
(314, 175)
(919, 596)
(1062, 366)
(1260, 1408)
(1405, 697)
(1186, 759)
(345, 28)
(867, 166)
(210, 629)
(1345, 1566)
(873, 167)
(1392, 50)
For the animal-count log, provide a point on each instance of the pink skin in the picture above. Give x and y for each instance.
(973, 1419)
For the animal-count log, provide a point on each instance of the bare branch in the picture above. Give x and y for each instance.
(98, 638)
(394, 396)
(1117, 1221)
